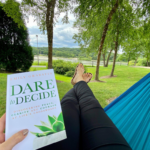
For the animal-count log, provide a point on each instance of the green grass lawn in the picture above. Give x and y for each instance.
(112, 87)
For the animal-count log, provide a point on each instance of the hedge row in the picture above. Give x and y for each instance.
(140, 62)
(66, 68)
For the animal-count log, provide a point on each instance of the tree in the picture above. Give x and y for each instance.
(113, 10)
(106, 29)
(46, 13)
(108, 47)
(146, 42)
(137, 45)
(15, 51)
(97, 16)
(108, 57)
(142, 9)
(132, 49)
(122, 26)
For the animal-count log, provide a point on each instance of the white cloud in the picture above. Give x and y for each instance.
(31, 23)
(62, 33)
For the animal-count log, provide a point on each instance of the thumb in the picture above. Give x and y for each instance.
(15, 139)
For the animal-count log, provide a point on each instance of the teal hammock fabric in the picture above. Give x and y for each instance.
(130, 112)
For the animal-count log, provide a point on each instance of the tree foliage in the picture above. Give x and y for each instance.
(16, 53)
(139, 43)
(100, 30)
(68, 52)
(13, 10)
(46, 13)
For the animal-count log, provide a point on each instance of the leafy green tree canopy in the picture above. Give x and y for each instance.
(45, 12)
(16, 53)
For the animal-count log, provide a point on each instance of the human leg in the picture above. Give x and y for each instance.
(97, 130)
(71, 113)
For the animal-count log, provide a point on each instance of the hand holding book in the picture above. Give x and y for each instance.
(13, 140)
(33, 103)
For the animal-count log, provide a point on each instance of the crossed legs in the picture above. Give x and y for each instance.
(87, 125)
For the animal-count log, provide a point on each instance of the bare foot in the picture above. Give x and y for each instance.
(78, 76)
(87, 77)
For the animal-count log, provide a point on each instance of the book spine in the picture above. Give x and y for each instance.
(7, 108)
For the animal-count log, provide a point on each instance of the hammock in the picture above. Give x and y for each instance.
(130, 112)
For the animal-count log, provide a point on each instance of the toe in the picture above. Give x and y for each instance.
(91, 75)
(82, 65)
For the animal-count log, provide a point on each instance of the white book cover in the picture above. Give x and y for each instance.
(33, 103)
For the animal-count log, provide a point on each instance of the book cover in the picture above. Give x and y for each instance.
(33, 103)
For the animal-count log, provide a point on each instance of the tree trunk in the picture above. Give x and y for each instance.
(147, 61)
(103, 38)
(128, 59)
(106, 65)
(115, 55)
(135, 61)
(49, 26)
(104, 59)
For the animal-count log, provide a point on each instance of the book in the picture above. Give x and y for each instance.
(33, 103)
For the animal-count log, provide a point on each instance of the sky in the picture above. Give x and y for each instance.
(63, 33)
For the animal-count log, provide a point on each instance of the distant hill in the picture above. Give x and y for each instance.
(65, 52)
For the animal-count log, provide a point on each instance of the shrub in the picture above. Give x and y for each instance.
(69, 74)
(1, 66)
(131, 63)
(141, 62)
(62, 67)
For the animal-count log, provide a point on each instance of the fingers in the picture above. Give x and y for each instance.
(2, 137)
(2, 128)
(15, 139)
(2, 123)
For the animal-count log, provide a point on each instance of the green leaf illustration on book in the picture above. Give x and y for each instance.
(56, 124)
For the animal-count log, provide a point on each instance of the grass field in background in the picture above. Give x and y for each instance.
(112, 87)
(41, 63)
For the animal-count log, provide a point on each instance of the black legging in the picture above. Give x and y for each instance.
(87, 125)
